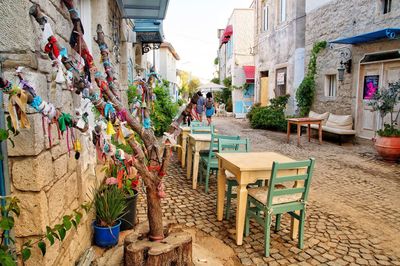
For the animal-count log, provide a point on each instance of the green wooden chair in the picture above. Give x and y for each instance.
(201, 129)
(242, 145)
(276, 199)
(209, 161)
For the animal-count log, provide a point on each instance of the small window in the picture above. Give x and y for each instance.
(282, 10)
(387, 6)
(265, 18)
(330, 86)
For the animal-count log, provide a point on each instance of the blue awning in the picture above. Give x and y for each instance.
(143, 9)
(389, 33)
(149, 30)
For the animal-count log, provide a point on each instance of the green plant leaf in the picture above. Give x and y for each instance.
(74, 224)
(26, 254)
(50, 237)
(6, 258)
(6, 223)
(62, 232)
(3, 134)
(55, 235)
(78, 217)
(67, 222)
(42, 247)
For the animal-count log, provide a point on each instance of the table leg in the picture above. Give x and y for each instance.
(179, 141)
(241, 213)
(184, 145)
(189, 161)
(196, 159)
(298, 134)
(288, 131)
(320, 133)
(221, 183)
(309, 132)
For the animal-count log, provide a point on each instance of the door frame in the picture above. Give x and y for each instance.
(358, 84)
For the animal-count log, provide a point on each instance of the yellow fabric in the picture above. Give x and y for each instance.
(18, 98)
(110, 129)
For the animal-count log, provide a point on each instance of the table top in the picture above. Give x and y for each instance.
(184, 128)
(200, 137)
(304, 119)
(254, 161)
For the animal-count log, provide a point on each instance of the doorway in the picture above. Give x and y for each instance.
(373, 76)
(264, 89)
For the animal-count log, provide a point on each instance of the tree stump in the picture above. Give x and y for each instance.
(174, 249)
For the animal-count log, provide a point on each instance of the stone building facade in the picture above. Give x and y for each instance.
(279, 49)
(377, 60)
(48, 180)
(234, 53)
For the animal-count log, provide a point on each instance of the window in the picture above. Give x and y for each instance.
(282, 10)
(387, 6)
(330, 86)
(280, 82)
(265, 18)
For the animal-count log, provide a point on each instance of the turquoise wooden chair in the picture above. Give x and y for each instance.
(242, 145)
(209, 161)
(197, 123)
(201, 129)
(276, 199)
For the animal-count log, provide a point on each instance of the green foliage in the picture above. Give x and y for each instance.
(8, 254)
(306, 92)
(384, 101)
(189, 83)
(110, 205)
(227, 82)
(216, 61)
(164, 109)
(270, 117)
(215, 80)
(132, 93)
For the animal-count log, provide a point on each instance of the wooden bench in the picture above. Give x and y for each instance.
(340, 125)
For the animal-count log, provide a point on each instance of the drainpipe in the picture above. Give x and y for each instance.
(4, 180)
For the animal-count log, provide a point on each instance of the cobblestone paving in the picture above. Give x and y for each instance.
(352, 216)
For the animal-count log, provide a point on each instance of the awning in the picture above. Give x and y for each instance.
(389, 33)
(227, 34)
(249, 73)
(149, 30)
(143, 9)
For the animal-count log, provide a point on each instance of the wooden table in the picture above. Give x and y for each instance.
(196, 143)
(182, 141)
(304, 121)
(247, 168)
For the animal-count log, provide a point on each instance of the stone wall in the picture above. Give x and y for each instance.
(341, 18)
(49, 182)
(280, 46)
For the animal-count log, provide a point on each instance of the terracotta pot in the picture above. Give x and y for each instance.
(388, 147)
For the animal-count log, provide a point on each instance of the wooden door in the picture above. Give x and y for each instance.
(391, 74)
(264, 92)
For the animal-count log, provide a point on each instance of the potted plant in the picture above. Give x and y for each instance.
(125, 177)
(385, 101)
(110, 205)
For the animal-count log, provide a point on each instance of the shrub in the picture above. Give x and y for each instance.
(270, 117)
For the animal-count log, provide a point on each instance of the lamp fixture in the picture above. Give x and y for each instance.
(345, 63)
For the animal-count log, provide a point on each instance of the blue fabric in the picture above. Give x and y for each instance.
(389, 33)
(37, 100)
(210, 112)
(146, 123)
(200, 105)
(108, 109)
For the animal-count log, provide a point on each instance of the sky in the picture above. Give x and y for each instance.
(191, 27)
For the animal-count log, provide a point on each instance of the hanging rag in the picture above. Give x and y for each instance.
(65, 121)
(17, 108)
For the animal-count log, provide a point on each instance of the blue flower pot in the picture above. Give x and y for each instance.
(106, 236)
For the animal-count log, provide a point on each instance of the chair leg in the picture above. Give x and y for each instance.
(267, 233)
(247, 220)
(301, 229)
(228, 200)
(201, 172)
(207, 177)
(278, 222)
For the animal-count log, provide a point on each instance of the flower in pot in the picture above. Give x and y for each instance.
(385, 103)
(110, 205)
(120, 173)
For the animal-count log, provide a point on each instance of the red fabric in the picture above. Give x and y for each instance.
(51, 46)
(227, 34)
(249, 72)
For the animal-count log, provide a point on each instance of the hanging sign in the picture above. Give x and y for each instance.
(280, 78)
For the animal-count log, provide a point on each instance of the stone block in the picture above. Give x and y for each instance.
(67, 102)
(34, 214)
(29, 141)
(71, 187)
(59, 149)
(55, 197)
(32, 173)
(61, 166)
(27, 59)
(17, 32)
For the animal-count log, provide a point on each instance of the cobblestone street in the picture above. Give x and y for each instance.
(352, 216)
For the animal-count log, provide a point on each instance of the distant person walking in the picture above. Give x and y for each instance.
(209, 107)
(200, 106)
